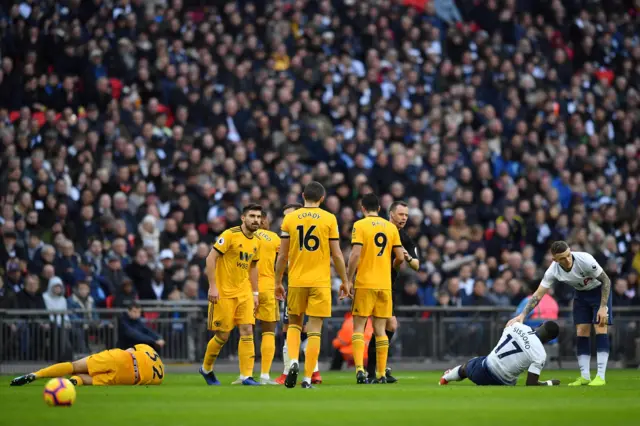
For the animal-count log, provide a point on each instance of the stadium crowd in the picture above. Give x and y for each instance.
(133, 132)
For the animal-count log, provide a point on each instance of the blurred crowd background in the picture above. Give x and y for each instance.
(133, 132)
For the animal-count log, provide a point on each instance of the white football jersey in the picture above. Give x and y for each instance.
(518, 350)
(582, 276)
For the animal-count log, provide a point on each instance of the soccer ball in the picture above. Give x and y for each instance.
(59, 393)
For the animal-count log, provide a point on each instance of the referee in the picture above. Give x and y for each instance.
(398, 215)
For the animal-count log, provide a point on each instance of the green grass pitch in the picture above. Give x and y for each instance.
(185, 400)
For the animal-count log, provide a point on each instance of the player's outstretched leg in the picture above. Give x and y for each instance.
(23, 380)
(455, 374)
(56, 370)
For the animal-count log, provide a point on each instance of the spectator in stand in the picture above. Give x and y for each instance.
(126, 295)
(132, 330)
(498, 125)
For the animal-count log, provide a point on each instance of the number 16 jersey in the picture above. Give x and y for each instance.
(519, 350)
(309, 231)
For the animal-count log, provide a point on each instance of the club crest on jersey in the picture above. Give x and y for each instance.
(220, 241)
(594, 267)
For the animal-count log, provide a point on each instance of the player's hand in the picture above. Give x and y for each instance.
(256, 303)
(213, 294)
(160, 343)
(345, 290)
(602, 317)
(406, 255)
(280, 293)
(519, 318)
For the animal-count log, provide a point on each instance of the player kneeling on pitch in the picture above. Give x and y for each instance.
(139, 365)
(520, 348)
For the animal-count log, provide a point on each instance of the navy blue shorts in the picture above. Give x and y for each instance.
(478, 372)
(586, 305)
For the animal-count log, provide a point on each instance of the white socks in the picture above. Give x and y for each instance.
(453, 375)
(603, 358)
(584, 361)
(265, 376)
(285, 358)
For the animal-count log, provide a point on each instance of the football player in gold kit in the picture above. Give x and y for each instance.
(374, 239)
(233, 293)
(310, 240)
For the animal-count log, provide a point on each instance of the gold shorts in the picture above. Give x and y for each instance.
(312, 301)
(111, 367)
(227, 313)
(368, 302)
(268, 309)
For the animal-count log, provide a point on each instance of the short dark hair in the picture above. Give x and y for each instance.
(395, 205)
(548, 331)
(251, 207)
(370, 202)
(559, 247)
(294, 206)
(133, 305)
(313, 192)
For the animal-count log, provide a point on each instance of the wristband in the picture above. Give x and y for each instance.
(255, 293)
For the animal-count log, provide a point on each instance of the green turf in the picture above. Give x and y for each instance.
(416, 400)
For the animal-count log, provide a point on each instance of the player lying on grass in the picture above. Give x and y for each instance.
(520, 348)
(139, 365)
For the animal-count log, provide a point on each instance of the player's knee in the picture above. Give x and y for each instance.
(246, 330)
(392, 324)
(268, 327)
(296, 320)
(601, 329)
(583, 330)
(80, 366)
(223, 335)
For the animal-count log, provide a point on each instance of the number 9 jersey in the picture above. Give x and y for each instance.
(309, 230)
(378, 237)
